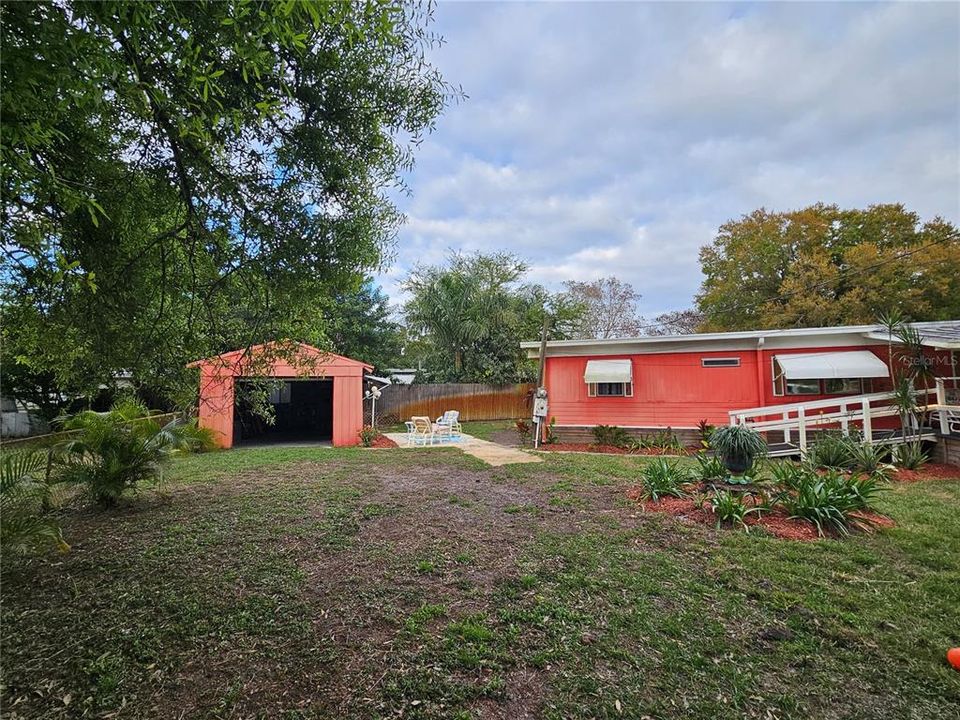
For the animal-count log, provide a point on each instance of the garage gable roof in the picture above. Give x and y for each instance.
(281, 351)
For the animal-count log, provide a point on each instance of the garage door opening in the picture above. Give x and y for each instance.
(303, 412)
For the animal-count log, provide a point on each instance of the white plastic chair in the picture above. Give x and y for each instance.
(423, 431)
(450, 420)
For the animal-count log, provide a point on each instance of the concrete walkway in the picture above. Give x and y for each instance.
(490, 452)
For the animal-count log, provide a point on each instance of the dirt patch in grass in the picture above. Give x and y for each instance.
(509, 438)
(930, 471)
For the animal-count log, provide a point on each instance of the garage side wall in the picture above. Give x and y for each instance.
(347, 409)
(215, 410)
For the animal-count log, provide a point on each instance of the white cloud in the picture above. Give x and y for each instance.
(615, 138)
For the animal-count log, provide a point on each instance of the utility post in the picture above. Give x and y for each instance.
(540, 397)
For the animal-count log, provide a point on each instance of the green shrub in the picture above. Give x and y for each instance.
(909, 456)
(709, 468)
(368, 435)
(612, 435)
(117, 450)
(665, 440)
(868, 458)
(729, 507)
(25, 504)
(706, 431)
(829, 500)
(190, 437)
(662, 477)
(831, 450)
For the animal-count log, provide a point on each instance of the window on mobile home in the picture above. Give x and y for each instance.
(610, 389)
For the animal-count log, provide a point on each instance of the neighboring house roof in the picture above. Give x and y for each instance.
(944, 334)
(940, 334)
(378, 379)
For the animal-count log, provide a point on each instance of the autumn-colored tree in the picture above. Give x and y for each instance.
(824, 266)
(611, 308)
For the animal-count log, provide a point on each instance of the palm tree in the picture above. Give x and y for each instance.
(892, 322)
(463, 304)
(912, 353)
(25, 500)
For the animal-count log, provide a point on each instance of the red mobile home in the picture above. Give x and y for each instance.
(651, 383)
(318, 396)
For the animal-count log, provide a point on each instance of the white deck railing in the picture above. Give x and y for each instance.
(859, 410)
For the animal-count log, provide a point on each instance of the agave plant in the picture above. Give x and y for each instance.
(738, 446)
(25, 504)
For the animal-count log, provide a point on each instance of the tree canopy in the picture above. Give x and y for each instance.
(184, 178)
(361, 325)
(825, 266)
(610, 308)
(466, 318)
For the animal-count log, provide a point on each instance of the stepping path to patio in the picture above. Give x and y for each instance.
(490, 452)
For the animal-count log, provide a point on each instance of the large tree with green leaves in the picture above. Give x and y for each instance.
(825, 266)
(467, 317)
(183, 178)
(361, 325)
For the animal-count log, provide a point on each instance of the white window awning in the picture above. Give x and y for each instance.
(849, 364)
(608, 371)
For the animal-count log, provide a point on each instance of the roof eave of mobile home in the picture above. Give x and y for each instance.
(942, 334)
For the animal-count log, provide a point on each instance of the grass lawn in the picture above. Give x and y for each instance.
(320, 583)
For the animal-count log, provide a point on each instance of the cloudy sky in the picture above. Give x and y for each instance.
(614, 138)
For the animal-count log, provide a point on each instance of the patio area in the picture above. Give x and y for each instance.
(490, 452)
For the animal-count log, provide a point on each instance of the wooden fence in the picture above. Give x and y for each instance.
(475, 401)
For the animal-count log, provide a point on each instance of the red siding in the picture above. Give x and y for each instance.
(673, 389)
(347, 409)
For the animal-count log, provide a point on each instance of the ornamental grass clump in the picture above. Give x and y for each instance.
(730, 508)
(709, 468)
(910, 456)
(832, 450)
(830, 500)
(663, 478)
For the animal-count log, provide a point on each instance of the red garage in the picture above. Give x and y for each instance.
(317, 396)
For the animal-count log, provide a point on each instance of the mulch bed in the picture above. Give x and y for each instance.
(930, 471)
(774, 522)
(383, 441)
(610, 449)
